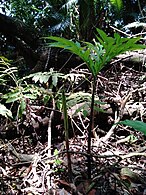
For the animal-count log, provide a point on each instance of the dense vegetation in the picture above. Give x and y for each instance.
(72, 99)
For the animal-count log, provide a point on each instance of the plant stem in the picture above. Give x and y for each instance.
(66, 135)
(91, 126)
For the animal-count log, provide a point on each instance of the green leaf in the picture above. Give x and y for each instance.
(21, 108)
(98, 109)
(5, 112)
(41, 77)
(84, 108)
(137, 125)
(30, 96)
(54, 80)
(56, 152)
(85, 113)
(118, 4)
(102, 34)
(13, 94)
(98, 54)
(12, 99)
(46, 99)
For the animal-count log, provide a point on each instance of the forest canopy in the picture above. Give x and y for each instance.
(23, 23)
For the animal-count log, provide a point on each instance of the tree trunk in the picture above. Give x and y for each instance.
(24, 38)
(86, 19)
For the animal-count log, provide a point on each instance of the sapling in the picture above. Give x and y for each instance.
(96, 55)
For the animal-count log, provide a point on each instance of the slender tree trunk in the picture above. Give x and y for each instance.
(86, 19)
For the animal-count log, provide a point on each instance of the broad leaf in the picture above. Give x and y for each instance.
(5, 112)
(137, 125)
(43, 77)
(100, 53)
(54, 80)
(21, 108)
(118, 4)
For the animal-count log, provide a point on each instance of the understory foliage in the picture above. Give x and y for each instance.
(66, 17)
(73, 118)
(96, 55)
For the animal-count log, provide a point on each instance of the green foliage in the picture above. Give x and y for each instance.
(18, 91)
(5, 112)
(116, 45)
(96, 55)
(21, 94)
(102, 51)
(47, 16)
(118, 4)
(137, 125)
(65, 15)
(6, 70)
(43, 77)
(57, 161)
(27, 11)
(83, 102)
(53, 77)
(84, 52)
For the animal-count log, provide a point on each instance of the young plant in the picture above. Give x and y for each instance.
(18, 90)
(5, 71)
(96, 55)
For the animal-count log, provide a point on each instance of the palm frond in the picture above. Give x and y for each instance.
(60, 26)
(69, 4)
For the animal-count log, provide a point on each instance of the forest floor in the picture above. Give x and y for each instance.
(118, 157)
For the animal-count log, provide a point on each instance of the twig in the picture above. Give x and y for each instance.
(120, 31)
(49, 138)
(140, 8)
(133, 154)
(49, 128)
(48, 58)
(65, 63)
(128, 35)
(111, 131)
(21, 157)
(79, 114)
(76, 125)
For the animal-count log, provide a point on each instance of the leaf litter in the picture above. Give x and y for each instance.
(118, 162)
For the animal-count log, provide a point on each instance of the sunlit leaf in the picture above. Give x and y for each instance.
(12, 99)
(118, 4)
(97, 57)
(5, 112)
(54, 80)
(30, 96)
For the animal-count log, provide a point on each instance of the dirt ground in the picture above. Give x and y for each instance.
(118, 151)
